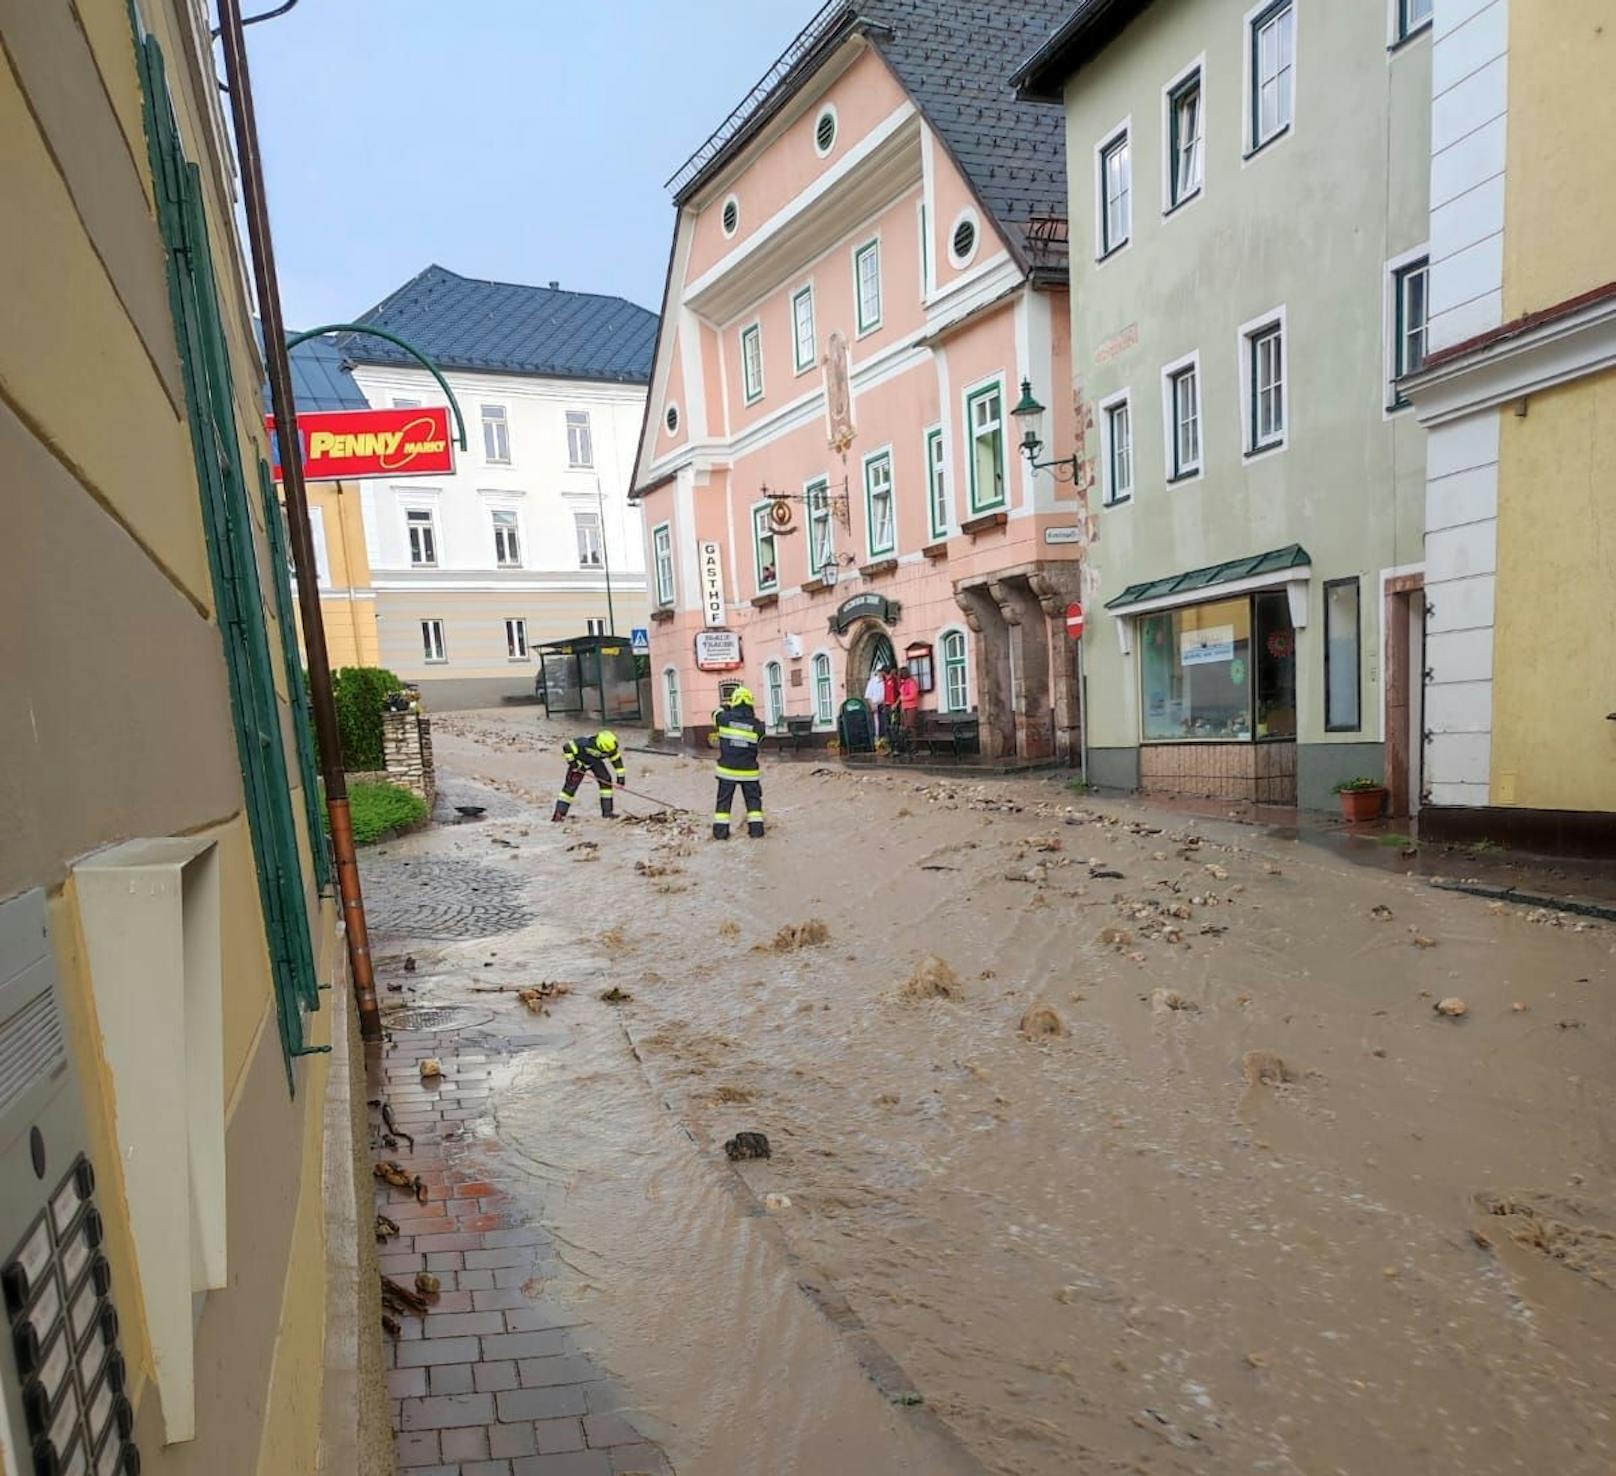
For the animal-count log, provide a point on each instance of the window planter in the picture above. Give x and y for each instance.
(878, 568)
(985, 522)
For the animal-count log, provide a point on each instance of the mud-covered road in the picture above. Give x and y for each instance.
(1241, 1198)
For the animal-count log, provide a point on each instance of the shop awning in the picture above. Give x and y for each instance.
(1275, 567)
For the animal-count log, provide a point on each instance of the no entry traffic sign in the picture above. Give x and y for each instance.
(1074, 621)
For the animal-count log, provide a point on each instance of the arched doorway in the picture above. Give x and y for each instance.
(871, 651)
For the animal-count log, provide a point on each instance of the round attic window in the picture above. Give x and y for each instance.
(825, 132)
(962, 244)
(730, 217)
(672, 419)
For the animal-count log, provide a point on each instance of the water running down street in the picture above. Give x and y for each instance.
(1240, 1197)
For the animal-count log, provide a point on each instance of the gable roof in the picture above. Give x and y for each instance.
(320, 378)
(955, 59)
(510, 328)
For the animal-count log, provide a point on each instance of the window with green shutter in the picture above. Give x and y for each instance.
(232, 558)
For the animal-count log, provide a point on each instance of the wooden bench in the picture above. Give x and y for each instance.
(795, 732)
(944, 735)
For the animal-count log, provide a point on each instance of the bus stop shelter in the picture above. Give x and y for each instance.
(590, 677)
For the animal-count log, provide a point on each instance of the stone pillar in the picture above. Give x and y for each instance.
(1057, 586)
(990, 669)
(407, 748)
(1029, 650)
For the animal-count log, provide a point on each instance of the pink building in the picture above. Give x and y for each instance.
(868, 260)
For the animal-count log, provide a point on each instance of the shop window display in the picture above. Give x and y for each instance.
(1205, 679)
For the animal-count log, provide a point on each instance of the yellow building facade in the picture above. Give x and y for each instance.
(1519, 395)
(176, 1057)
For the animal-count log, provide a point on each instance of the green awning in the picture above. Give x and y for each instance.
(1292, 556)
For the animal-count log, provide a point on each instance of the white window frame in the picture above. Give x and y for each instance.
(728, 231)
(753, 332)
(662, 560)
(595, 625)
(431, 526)
(579, 517)
(1104, 247)
(763, 528)
(1169, 377)
(322, 558)
(1111, 494)
(938, 502)
(1397, 29)
(499, 424)
(836, 129)
(819, 513)
(971, 394)
(434, 647)
(1246, 345)
(516, 638)
(1195, 70)
(774, 694)
(405, 404)
(1253, 142)
(804, 365)
(866, 325)
(672, 713)
(871, 461)
(820, 660)
(1397, 270)
(945, 703)
(923, 225)
(966, 217)
(584, 444)
(515, 526)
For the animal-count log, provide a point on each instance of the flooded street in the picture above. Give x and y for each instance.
(1300, 1167)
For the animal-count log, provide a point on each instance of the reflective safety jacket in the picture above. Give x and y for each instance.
(740, 733)
(583, 753)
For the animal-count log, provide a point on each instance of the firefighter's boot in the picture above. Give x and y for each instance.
(754, 824)
(606, 804)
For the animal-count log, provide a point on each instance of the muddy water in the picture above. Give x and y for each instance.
(1107, 1251)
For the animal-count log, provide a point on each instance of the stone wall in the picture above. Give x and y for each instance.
(407, 747)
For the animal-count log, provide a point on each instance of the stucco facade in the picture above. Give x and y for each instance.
(134, 827)
(347, 598)
(846, 330)
(1245, 186)
(1518, 397)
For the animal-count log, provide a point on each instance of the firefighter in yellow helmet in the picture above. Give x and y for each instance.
(740, 736)
(590, 755)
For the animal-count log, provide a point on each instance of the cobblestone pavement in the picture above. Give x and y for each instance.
(489, 1382)
(443, 898)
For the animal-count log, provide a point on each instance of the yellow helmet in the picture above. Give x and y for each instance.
(740, 696)
(606, 741)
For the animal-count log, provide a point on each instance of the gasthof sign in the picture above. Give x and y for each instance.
(712, 583)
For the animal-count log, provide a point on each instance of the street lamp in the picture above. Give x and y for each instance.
(1028, 411)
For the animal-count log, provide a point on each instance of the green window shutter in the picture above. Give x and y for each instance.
(275, 521)
(233, 562)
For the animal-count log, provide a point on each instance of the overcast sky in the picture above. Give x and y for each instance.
(522, 140)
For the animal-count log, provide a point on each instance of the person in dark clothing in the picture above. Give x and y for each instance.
(740, 734)
(590, 755)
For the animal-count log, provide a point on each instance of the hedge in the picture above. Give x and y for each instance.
(379, 809)
(360, 693)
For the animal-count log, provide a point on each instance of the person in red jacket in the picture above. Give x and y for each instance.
(889, 704)
(908, 713)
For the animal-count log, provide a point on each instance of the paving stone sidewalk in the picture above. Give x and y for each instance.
(491, 1381)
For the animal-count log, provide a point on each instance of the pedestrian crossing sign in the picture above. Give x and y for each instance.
(640, 641)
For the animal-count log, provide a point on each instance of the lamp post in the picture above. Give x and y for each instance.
(1029, 412)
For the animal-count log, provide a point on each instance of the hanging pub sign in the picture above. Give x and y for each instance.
(712, 583)
(864, 607)
(718, 650)
(351, 445)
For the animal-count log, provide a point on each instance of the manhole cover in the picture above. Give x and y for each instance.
(435, 1017)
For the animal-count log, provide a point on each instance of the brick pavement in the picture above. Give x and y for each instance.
(491, 1381)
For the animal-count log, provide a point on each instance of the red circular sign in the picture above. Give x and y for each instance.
(1074, 621)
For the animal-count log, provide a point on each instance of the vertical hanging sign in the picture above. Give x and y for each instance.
(712, 584)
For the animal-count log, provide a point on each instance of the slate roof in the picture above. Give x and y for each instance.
(509, 328)
(955, 58)
(1090, 27)
(320, 378)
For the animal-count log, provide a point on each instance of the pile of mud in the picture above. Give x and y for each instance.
(933, 978)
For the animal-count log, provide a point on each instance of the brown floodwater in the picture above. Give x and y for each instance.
(1260, 1207)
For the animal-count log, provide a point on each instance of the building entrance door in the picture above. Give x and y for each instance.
(872, 653)
(1405, 692)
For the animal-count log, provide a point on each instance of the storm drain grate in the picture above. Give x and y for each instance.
(436, 1017)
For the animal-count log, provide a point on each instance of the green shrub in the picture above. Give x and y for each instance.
(380, 808)
(360, 693)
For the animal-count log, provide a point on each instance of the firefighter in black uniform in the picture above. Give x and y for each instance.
(590, 755)
(740, 734)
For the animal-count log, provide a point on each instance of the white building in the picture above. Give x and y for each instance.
(532, 539)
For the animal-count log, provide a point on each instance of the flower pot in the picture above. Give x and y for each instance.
(1362, 804)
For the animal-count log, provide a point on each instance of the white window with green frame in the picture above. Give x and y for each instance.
(984, 430)
(880, 513)
(955, 691)
(936, 483)
(867, 285)
(1270, 67)
(774, 694)
(1184, 159)
(764, 553)
(752, 363)
(804, 345)
(821, 527)
(1409, 18)
(662, 562)
(1264, 399)
(1181, 418)
(1113, 171)
(672, 721)
(1116, 448)
(824, 692)
(1408, 280)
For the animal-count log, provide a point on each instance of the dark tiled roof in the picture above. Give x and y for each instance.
(1090, 26)
(955, 57)
(320, 378)
(506, 327)
(1292, 556)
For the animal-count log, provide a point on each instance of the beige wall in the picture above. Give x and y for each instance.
(117, 719)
